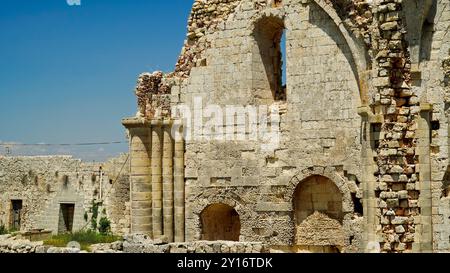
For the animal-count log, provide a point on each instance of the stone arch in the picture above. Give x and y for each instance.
(317, 193)
(220, 222)
(327, 172)
(360, 58)
(220, 196)
(321, 207)
(358, 50)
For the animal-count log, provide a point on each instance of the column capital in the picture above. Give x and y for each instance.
(366, 112)
(135, 122)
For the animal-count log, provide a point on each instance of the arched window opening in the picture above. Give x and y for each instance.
(269, 63)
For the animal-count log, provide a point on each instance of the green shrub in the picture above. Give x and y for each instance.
(104, 226)
(3, 230)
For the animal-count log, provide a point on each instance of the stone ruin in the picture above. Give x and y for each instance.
(362, 162)
(45, 195)
(363, 150)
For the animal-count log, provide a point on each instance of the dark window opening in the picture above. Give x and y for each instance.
(16, 214)
(269, 66)
(435, 125)
(351, 239)
(66, 214)
(65, 180)
(358, 205)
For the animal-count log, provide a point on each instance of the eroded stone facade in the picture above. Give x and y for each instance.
(364, 109)
(43, 185)
(362, 161)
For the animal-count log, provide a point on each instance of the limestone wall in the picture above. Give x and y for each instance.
(116, 194)
(43, 183)
(320, 127)
(366, 107)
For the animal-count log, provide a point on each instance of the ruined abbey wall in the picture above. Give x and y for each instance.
(363, 125)
(357, 159)
(320, 126)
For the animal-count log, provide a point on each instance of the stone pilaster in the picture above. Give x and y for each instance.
(369, 136)
(156, 167)
(424, 225)
(179, 190)
(168, 186)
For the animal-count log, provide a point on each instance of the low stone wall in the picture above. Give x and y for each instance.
(15, 244)
(135, 244)
(10, 244)
(141, 244)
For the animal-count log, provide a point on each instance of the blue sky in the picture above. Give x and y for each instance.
(67, 73)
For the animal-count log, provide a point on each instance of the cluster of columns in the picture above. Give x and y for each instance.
(157, 179)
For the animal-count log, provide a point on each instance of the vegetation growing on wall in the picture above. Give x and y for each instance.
(103, 226)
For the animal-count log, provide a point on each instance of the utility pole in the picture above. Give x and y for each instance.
(101, 183)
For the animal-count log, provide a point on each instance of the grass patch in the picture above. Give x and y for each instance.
(84, 238)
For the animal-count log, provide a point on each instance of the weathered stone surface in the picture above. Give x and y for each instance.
(365, 108)
(43, 182)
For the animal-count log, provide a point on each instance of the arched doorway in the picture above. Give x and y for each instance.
(318, 215)
(220, 222)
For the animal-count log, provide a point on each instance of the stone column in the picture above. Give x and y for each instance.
(179, 189)
(140, 176)
(425, 228)
(371, 243)
(156, 158)
(167, 174)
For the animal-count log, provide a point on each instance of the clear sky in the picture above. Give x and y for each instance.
(67, 73)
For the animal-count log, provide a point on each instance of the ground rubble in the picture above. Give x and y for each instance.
(134, 244)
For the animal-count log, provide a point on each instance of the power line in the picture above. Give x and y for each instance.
(62, 144)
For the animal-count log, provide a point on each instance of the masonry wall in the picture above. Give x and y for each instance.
(320, 125)
(43, 183)
(366, 108)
